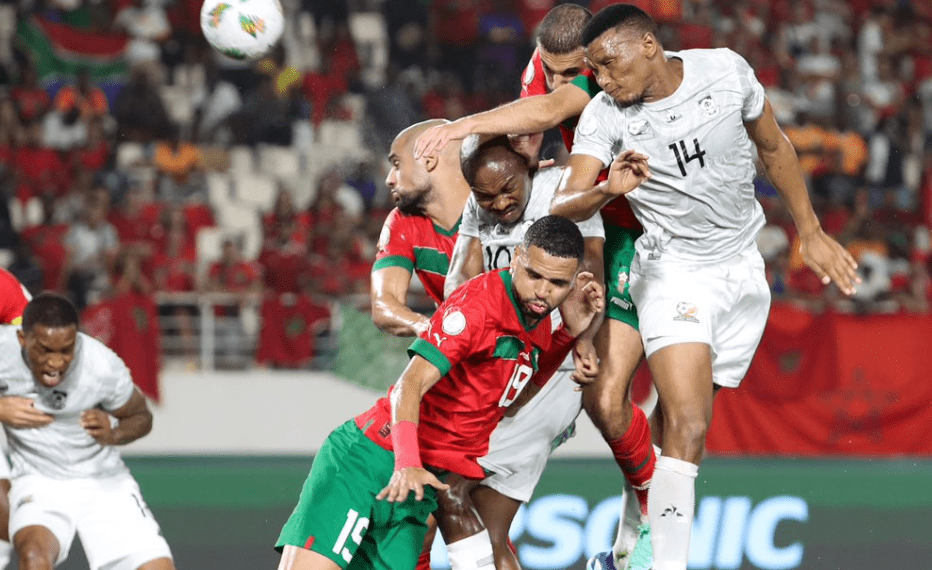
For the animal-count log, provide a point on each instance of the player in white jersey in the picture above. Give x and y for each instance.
(61, 388)
(508, 195)
(697, 278)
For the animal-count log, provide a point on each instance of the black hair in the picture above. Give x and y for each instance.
(560, 32)
(617, 16)
(557, 236)
(476, 148)
(49, 310)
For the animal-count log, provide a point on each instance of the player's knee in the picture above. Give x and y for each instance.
(685, 429)
(33, 556)
(474, 552)
(609, 411)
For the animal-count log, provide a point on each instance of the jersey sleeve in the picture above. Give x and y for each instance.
(116, 381)
(586, 81)
(593, 132)
(592, 228)
(13, 299)
(752, 91)
(455, 332)
(395, 247)
(469, 225)
(533, 81)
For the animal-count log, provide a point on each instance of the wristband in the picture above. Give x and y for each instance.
(404, 442)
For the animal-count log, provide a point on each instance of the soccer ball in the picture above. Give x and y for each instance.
(242, 29)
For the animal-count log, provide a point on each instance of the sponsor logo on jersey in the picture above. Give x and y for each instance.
(626, 305)
(640, 129)
(673, 117)
(454, 323)
(686, 312)
(56, 399)
(708, 106)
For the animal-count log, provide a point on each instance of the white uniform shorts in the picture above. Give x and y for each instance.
(520, 445)
(117, 529)
(724, 305)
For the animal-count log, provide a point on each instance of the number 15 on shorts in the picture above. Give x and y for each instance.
(354, 527)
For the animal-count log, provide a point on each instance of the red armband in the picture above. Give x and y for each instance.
(404, 442)
(549, 362)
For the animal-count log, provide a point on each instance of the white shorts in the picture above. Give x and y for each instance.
(520, 445)
(723, 305)
(117, 530)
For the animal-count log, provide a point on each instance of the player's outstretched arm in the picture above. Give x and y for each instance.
(578, 197)
(19, 412)
(465, 263)
(822, 253)
(388, 293)
(409, 475)
(584, 303)
(584, 354)
(527, 115)
(134, 421)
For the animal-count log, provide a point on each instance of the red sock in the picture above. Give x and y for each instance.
(423, 561)
(634, 453)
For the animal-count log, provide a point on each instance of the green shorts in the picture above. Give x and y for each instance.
(339, 517)
(618, 254)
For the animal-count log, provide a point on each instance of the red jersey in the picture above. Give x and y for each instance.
(290, 324)
(13, 299)
(479, 341)
(416, 243)
(533, 82)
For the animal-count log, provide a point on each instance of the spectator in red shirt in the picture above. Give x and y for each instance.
(95, 152)
(38, 167)
(84, 97)
(231, 274)
(136, 229)
(32, 101)
(46, 241)
(172, 269)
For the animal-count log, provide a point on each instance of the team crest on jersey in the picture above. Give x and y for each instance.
(587, 125)
(56, 399)
(708, 106)
(384, 238)
(686, 312)
(454, 323)
(622, 280)
(640, 129)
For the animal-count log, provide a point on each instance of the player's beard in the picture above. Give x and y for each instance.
(412, 204)
(631, 102)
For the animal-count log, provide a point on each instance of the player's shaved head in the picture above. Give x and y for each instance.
(560, 32)
(478, 152)
(50, 310)
(557, 236)
(618, 16)
(405, 139)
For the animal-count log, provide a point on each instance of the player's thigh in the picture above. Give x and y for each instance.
(116, 527)
(396, 537)
(741, 325)
(521, 445)
(337, 506)
(45, 503)
(497, 511)
(619, 348)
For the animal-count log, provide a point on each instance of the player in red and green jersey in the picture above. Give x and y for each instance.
(556, 87)
(419, 234)
(484, 348)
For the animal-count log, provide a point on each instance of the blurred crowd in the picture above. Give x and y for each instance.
(114, 177)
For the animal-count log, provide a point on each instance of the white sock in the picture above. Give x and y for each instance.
(630, 518)
(473, 553)
(671, 506)
(6, 552)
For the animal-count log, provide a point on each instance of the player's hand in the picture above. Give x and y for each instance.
(97, 424)
(830, 261)
(435, 138)
(586, 361)
(627, 172)
(585, 301)
(19, 412)
(409, 479)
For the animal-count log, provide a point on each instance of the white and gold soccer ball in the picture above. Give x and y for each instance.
(242, 29)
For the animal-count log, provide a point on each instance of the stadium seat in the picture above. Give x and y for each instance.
(282, 162)
(208, 246)
(130, 154)
(218, 188)
(241, 160)
(243, 219)
(369, 33)
(256, 191)
(177, 103)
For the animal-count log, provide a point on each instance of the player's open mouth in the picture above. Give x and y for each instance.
(51, 378)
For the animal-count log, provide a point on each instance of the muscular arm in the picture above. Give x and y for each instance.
(134, 421)
(388, 295)
(578, 197)
(822, 253)
(418, 377)
(465, 263)
(527, 115)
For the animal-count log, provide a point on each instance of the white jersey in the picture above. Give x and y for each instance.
(499, 240)
(699, 203)
(97, 377)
